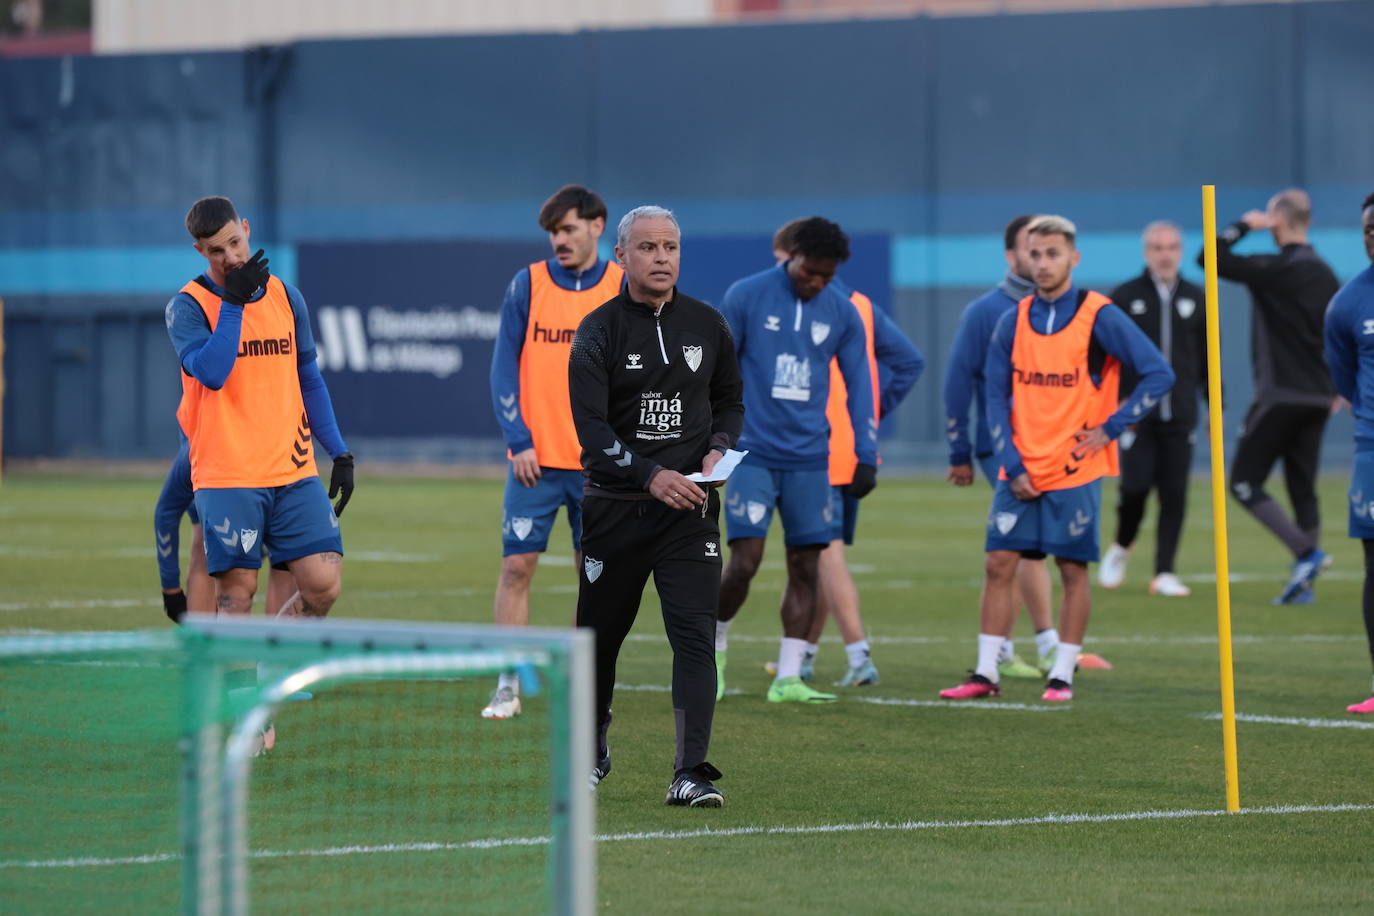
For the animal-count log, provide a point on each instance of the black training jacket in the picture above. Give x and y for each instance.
(1180, 332)
(652, 391)
(1290, 291)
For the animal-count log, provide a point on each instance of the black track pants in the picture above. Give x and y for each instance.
(623, 542)
(1159, 459)
(1292, 432)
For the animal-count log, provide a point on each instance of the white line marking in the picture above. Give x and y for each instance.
(1137, 639)
(963, 704)
(390, 556)
(1290, 720)
(758, 830)
(1004, 822)
(77, 605)
(664, 688)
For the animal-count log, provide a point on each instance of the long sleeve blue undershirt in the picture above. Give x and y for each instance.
(209, 357)
(504, 378)
(1113, 331)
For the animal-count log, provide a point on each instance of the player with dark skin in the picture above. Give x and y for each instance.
(809, 275)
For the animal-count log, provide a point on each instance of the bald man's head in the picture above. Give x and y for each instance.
(1292, 208)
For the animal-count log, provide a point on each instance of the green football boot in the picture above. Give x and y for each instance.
(795, 690)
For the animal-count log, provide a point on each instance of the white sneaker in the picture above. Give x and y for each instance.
(1111, 572)
(505, 704)
(1168, 585)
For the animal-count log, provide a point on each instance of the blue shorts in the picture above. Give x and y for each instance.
(990, 469)
(844, 515)
(802, 498)
(527, 513)
(1063, 523)
(1361, 524)
(291, 522)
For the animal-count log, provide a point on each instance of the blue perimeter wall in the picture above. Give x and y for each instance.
(923, 136)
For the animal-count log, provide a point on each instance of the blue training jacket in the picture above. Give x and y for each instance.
(785, 347)
(964, 382)
(1113, 331)
(172, 503)
(1349, 340)
(510, 341)
(900, 364)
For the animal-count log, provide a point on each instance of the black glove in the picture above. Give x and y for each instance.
(175, 605)
(341, 481)
(865, 479)
(241, 283)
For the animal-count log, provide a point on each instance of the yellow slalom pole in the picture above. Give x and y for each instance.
(1228, 684)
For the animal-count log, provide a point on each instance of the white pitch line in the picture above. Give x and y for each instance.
(58, 605)
(664, 688)
(1140, 639)
(963, 704)
(1292, 720)
(391, 556)
(755, 830)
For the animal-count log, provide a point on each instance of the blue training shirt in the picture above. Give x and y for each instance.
(1349, 344)
(964, 382)
(209, 357)
(1113, 331)
(510, 342)
(785, 346)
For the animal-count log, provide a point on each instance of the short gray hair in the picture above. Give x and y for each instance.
(1161, 225)
(622, 232)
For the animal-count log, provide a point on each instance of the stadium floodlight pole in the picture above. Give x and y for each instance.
(1228, 685)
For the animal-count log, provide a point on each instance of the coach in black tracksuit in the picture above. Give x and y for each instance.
(656, 394)
(1293, 389)
(1171, 312)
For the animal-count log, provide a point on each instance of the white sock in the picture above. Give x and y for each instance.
(858, 652)
(723, 634)
(790, 657)
(1045, 641)
(509, 679)
(988, 649)
(1065, 661)
(1008, 650)
(811, 649)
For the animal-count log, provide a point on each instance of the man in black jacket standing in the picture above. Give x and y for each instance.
(1158, 451)
(656, 395)
(1293, 390)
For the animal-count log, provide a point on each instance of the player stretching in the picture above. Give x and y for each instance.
(529, 390)
(788, 324)
(902, 363)
(1052, 377)
(1350, 356)
(964, 383)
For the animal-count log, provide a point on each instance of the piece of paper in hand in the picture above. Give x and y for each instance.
(727, 463)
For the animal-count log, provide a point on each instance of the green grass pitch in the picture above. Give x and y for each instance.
(905, 806)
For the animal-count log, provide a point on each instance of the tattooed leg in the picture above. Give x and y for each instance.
(318, 577)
